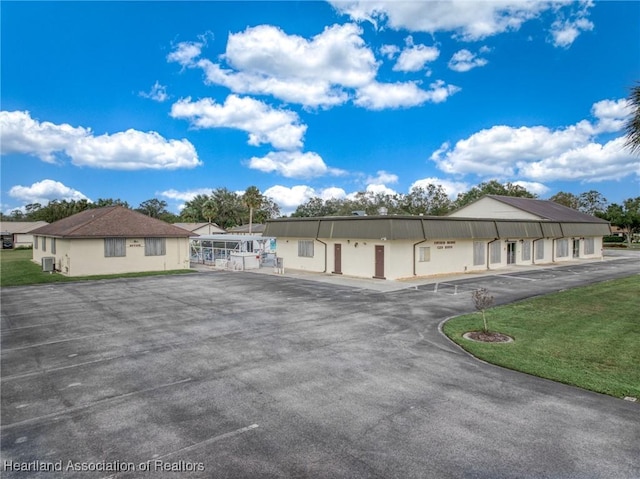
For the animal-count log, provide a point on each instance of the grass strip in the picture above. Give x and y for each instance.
(587, 337)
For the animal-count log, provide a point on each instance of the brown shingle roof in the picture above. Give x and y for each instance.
(111, 221)
(547, 210)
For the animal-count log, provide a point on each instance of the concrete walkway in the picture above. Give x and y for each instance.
(412, 283)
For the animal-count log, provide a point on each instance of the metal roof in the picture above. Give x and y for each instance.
(518, 229)
(585, 229)
(547, 210)
(425, 227)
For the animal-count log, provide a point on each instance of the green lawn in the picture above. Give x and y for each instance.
(588, 337)
(17, 269)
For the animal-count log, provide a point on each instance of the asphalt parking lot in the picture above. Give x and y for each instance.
(243, 375)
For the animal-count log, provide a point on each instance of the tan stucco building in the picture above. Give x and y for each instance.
(394, 247)
(19, 232)
(111, 240)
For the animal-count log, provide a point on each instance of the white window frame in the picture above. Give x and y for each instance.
(424, 255)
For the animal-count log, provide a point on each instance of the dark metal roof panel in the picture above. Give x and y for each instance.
(459, 229)
(585, 229)
(447, 229)
(484, 229)
(518, 229)
(292, 229)
(372, 228)
(548, 210)
(551, 230)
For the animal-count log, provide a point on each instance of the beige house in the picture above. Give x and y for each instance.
(19, 232)
(201, 228)
(111, 240)
(395, 247)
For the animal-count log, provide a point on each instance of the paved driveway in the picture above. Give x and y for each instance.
(250, 376)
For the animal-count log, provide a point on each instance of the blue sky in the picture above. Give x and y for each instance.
(172, 99)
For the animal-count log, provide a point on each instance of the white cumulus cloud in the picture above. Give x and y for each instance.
(128, 150)
(264, 124)
(290, 198)
(413, 58)
(468, 21)
(540, 153)
(19, 133)
(464, 60)
(379, 96)
(157, 93)
(44, 191)
(186, 195)
(264, 60)
(293, 164)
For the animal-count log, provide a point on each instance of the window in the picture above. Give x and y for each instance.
(539, 247)
(114, 247)
(155, 246)
(589, 246)
(478, 253)
(526, 250)
(35, 242)
(425, 253)
(305, 248)
(495, 252)
(53, 245)
(44, 243)
(562, 248)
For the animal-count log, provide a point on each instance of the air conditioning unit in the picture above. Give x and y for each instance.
(48, 263)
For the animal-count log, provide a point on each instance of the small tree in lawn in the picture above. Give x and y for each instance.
(482, 301)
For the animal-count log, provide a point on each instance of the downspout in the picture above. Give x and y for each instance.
(325, 246)
(424, 235)
(488, 252)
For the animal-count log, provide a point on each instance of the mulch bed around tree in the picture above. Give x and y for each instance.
(489, 337)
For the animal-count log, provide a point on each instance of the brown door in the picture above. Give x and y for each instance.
(337, 258)
(379, 262)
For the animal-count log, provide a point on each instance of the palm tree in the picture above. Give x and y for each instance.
(210, 209)
(633, 124)
(253, 199)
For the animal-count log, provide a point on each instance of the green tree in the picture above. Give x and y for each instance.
(153, 207)
(427, 200)
(625, 216)
(592, 202)
(267, 211)
(102, 202)
(209, 209)
(632, 127)
(492, 187)
(230, 208)
(566, 199)
(253, 199)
